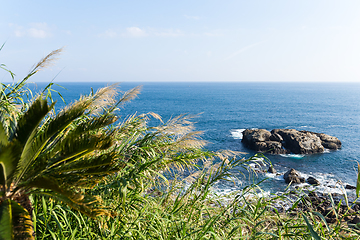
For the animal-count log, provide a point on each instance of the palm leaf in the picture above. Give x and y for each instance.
(31, 119)
(72, 149)
(89, 162)
(2, 179)
(9, 157)
(3, 136)
(27, 129)
(53, 130)
(15, 221)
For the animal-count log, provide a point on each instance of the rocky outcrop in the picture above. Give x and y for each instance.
(329, 142)
(271, 169)
(282, 141)
(312, 181)
(292, 176)
(333, 210)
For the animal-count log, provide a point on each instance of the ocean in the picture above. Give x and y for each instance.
(227, 108)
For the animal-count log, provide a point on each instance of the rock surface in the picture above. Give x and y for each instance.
(322, 204)
(313, 181)
(271, 169)
(282, 141)
(292, 176)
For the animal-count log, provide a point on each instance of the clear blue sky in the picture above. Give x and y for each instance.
(226, 40)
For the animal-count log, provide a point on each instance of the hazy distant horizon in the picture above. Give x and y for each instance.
(200, 41)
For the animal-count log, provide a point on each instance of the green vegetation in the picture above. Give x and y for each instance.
(82, 173)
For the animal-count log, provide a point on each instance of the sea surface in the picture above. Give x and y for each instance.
(229, 108)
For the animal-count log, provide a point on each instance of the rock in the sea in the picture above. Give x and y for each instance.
(313, 181)
(260, 140)
(300, 142)
(256, 135)
(272, 169)
(329, 142)
(292, 176)
(347, 186)
(281, 141)
(276, 137)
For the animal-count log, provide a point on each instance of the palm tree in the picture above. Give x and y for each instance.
(58, 156)
(63, 155)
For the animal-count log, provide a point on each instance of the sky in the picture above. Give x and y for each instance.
(197, 40)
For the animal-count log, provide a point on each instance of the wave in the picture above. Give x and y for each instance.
(237, 133)
(295, 156)
(307, 126)
(327, 150)
(328, 182)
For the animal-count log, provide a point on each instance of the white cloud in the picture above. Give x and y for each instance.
(36, 30)
(138, 32)
(135, 32)
(108, 34)
(192, 17)
(19, 33)
(37, 33)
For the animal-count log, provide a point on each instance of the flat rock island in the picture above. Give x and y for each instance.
(283, 141)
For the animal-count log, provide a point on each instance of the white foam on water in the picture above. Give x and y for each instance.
(278, 177)
(306, 126)
(258, 159)
(295, 156)
(328, 183)
(237, 133)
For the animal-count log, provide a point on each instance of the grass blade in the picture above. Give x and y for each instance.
(311, 229)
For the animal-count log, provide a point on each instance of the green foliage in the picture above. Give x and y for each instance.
(80, 173)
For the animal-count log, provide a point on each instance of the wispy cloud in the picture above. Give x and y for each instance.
(34, 30)
(192, 17)
(139, 32)
(108, 34)
(135, 32)
(242, 50)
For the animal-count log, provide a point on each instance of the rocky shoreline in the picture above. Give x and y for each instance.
(334, 207)
(284, 141)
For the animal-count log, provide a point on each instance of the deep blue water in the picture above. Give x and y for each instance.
(331, 108)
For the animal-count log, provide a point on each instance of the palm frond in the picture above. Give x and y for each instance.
(4, 139)
(15, 221)
(29, 122)
(9, 158)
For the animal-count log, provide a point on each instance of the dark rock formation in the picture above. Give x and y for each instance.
(282, 141)
(322, 203)
(292, 176)
(329, 142)
(272, 169)
(313, 181)
(300, 142)
(347, 186)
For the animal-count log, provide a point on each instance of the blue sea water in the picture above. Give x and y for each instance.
(228, 108)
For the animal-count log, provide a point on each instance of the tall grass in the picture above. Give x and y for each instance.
(151, 197)
(189, 211)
